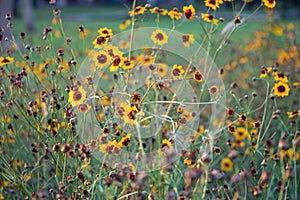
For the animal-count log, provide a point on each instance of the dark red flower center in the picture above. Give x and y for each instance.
(100, 40)
(101, 59)
(5, 60)
(281, 88)
(280, 75)
(188, 13)
(131, 114)
(127, 63)
(176, 72)
(77, 96)
(185, 38)
(210, 17)
(137, 10)
(213, 2)
(159, 36)
(116, 61)
(198, 76)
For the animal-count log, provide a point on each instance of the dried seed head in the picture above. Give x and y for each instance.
(8, 16)
(237, 20)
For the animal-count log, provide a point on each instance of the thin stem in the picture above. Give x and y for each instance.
(132, 29)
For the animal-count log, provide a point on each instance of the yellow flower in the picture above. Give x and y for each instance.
(292, 155)
(187, 40)
(189, 12)
(240, 133)
(159, 37)
(57, 33)
(294, 113)
(56, 20)
(137, 11)
(166, 144)
(124, 141)
(243, 60)
(226, 164)
(5, 61)
(100, 41)
(111, 147)
(127, 113)
(77, 96)
(238, 144)
(5, 119)
(162, 69)
(159, 10)
(269, 3)
(277, 30)
(209, 18)
(214, 4)
(281, 89)
(290, 26)
(117, 62)
(40, 71)
(175, 14)
(279, 76)
(105, 32)
(124, 24)
(101, 59)
(128, 64)
(190, 163)
(264, 72)
(177, 71)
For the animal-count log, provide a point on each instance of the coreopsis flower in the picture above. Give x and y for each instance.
(187, 40)
(189, 12)
(124, 24)
(124, 141)
(162, 69)
(159, 37)
(175, 14)
(100, 41)
(117, 62)
(226, 164)
(213, 4)
(177, 71)
(77, 96)
(159, 10)
(198, 76)
(209, 18)
(293, 113)
(128, 64)
(105, 32)
(279, 76)
(137, 11)
(281, 89)
(6, 60)
(240, 133)
(101, 59)
(269, 3)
